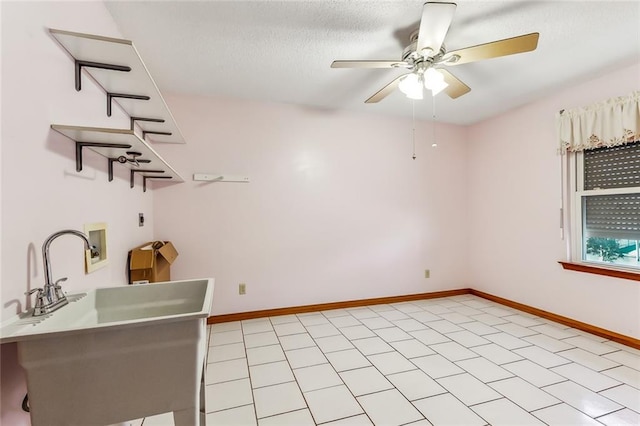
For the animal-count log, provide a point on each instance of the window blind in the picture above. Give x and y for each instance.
(612, 216)
(614, 167)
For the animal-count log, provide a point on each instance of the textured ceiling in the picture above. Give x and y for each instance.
(281, 51)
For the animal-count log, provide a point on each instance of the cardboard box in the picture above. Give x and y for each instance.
(152, 262)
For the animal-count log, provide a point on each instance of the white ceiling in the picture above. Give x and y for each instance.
(281, 51)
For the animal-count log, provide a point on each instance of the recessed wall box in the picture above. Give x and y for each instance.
(97, 233)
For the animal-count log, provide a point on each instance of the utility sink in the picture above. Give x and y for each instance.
(116, 354)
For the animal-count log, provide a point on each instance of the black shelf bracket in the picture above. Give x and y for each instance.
(144, 180)
(122, 160)
(153, 120)
(110, 96)
(145, 133)
(80, 145)
(89, 64)
(134, 171)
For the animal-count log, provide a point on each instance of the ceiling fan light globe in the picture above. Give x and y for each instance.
(438, 87)
(417, 95)
(411, 85)
(432, 78)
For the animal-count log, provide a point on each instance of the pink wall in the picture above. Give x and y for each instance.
(336, 209)
(41, 192)
(514, 198)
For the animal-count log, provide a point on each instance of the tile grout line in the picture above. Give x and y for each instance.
(615, 411)
(246, 354)
(417, 368)
(357, 349)
(306, 403)
(371, 365)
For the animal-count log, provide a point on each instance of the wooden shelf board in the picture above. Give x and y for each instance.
(138, 81)
(118, 136)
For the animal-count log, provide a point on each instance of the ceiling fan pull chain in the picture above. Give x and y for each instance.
(413, 116)
(434, 144)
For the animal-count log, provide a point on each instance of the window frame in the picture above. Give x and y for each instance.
(576, 243)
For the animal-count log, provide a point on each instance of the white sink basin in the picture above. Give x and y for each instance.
(111, 307)
(116, 354)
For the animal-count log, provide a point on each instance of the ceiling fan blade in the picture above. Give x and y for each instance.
(385, 91)
(456, 87)
(495, 49)
(369, 64)
(434, 25)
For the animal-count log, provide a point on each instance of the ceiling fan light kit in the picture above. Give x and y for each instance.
(411, 85)
(434, 81)
(426, 55)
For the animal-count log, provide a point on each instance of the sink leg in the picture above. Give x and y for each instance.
(203, 407)
(187, 417)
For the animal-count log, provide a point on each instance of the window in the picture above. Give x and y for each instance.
(606, 205)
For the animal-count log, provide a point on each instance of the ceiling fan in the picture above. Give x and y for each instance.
(426, 54)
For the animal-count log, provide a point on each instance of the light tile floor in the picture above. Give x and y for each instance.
(459, 360)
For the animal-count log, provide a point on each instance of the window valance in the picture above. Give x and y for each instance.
(613, 122)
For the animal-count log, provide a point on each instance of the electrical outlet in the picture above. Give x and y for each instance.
(427, 273)
(242, 288)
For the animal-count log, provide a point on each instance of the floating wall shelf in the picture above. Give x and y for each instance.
(116, 66)
(113, 144)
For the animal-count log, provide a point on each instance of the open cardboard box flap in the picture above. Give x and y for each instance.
(168, 251)
(151, 264)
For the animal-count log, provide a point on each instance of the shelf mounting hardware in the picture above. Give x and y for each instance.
(144, 180)
(89, 64)
(153, 120)
(110, 96)
(80, 145)
(145, 133)
(134, 158)
(134, 171)
(122, 160)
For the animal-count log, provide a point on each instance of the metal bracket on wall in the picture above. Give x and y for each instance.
(122, 159)
(80, 145)
(145, 133)
(110, 96)
(153, 120)
(144, 180)
(219, 177)
(134, 171)
(89, 64)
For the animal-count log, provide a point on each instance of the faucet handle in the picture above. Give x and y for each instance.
(39, 297)
(55, 285)
(39, 290)
(58, 288)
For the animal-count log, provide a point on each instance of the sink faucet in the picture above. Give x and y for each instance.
(51, 297)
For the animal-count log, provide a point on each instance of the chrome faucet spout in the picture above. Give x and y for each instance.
(54, 297)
